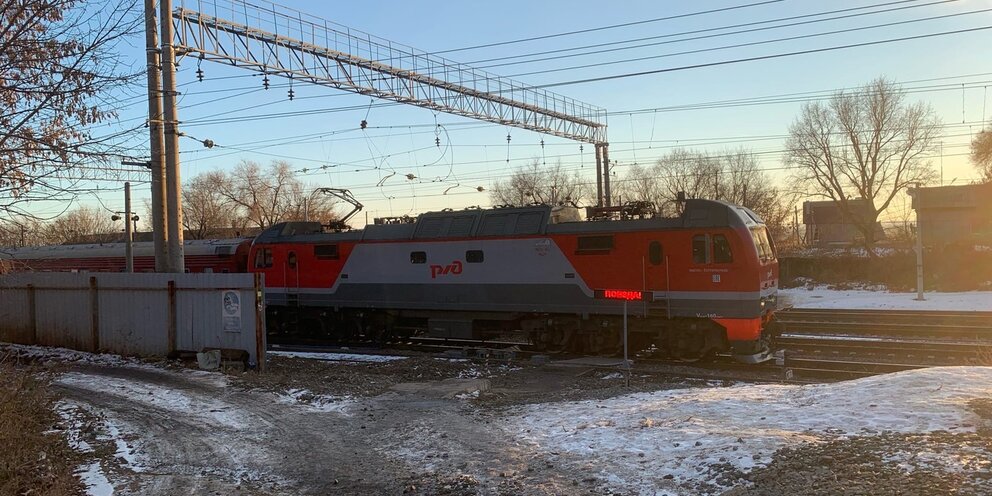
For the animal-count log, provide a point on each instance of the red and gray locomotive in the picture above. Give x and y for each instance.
(699, 283)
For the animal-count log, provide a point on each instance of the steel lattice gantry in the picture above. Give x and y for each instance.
(276, 40)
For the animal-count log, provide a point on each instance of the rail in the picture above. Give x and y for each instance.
(857, 343)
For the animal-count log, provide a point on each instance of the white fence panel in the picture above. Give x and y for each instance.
(134, 314)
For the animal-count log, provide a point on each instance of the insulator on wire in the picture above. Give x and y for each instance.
(364, 124)
(265, 81)
(437, 141)
(291, 94)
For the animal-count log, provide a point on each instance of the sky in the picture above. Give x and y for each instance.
(231, 108)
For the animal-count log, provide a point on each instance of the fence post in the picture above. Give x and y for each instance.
(32, 314)
(94, 315)
(260, 322)
(172, 317)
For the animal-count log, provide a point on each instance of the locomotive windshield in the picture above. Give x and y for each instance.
(763, 243)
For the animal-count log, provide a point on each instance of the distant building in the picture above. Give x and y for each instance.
(828, 227)
(954, 214)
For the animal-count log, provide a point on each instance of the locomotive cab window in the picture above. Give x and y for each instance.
(263, 258)
(700, 255)
(595, 244)
(291, 260)
(418, 257)
(721, 250)
(474, 256)
(655, 253)
(325, 252)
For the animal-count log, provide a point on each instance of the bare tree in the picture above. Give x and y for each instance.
(264, 197)
(743, 183)
(22, 232)
(691, 172)
(252, 196)
(981, 154)
(59, 61)
(205, 208)
(84, 224)
(869, 144)
(643, 183)
(536, 184)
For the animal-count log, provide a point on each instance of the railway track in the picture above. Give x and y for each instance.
(813, 345)
(856, 343)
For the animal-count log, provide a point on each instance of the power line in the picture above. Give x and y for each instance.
(740, 45)
(707, 30)
(761, 57)
(602, 28)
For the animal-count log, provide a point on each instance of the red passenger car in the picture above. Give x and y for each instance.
(210, 255)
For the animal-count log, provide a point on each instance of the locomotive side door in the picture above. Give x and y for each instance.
(291, 273)
(655, 267)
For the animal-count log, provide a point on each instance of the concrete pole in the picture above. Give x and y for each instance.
(606, 174)
(128, 232)
(173, 178)
(626, 361)
(919, 259)
(599, 175)
(157, 162)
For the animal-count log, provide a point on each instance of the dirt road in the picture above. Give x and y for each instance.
(182, 432)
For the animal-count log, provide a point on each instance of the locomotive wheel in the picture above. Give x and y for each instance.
(687, 346)
(310, 328)
(605, 343)
(555, 340)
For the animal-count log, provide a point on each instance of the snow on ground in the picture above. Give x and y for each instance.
(67, 355)
(337, 357)
(965, 460)
(158, 397)
(92, 474)
(95, 481)
(637, 440)
(316, 402)
(818, 297)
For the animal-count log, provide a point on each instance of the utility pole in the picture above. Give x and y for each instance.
(177, 262)
(157, 163)
(128, 232)
(129, 226)
(606, 175)
(919, 244)
(599, 175)
(795, 225)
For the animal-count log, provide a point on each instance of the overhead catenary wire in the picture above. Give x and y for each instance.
(536, 56)
(761, 57)
(603, 28)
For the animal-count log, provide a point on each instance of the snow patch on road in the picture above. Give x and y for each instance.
(338, 357)
(95, 481)
(964, 460)
(316, 402)
(66, 355)
(694, 438)
(819, 297)
(159, 396)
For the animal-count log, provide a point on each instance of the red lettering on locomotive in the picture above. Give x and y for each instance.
(453, 268)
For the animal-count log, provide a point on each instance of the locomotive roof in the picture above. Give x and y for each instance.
(141, 249)
(516, 221)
